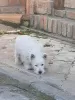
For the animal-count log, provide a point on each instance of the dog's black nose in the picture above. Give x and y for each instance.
(40, 72)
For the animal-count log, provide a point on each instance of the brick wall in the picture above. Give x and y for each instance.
(49, 16)
(12, 6)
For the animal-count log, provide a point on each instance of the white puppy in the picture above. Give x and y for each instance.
(29, 52)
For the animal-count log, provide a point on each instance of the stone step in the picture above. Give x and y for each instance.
(11, 17)
(61, 26)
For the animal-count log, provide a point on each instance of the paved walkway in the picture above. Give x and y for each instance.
(61, 62)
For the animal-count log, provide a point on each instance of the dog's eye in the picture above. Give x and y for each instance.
(36, 65)
(42, 64)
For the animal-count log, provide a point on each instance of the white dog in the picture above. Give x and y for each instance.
(29, 52)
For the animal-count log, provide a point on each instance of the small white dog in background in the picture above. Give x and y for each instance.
(29, 52)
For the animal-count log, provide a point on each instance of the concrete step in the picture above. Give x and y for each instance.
(13, 89)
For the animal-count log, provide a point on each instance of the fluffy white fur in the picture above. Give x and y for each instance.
(29, 52)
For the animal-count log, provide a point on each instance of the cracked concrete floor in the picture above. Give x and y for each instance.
(12, 89)
(11, 93)
(60, 61)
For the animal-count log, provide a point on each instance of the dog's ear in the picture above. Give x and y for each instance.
(45, 56)
(32, 56)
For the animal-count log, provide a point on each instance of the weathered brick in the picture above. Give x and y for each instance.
(43, 6)
(64, 28)
(22, 9)
(11, 17)
(70, 14)
(60, 13)
(31, 20)
(70, 3)
(11, 9)
(54, 27)
(74, 31)
(50, 7)
(36, 21)
(45, 22)
(31, 9)
(67, 3)
(59, 27)
(69, 30)
(50, 22)
(59, 4)
(41, 22)
(4, 3)
(27, 8)
(22, 2)
(14, 2)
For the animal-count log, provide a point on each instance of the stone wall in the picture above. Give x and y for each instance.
(52, 17)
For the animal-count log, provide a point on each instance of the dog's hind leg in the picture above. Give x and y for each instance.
(17, 59)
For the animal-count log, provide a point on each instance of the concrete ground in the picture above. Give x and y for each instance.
(9, 93)
(59, 79)
(12, 89)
